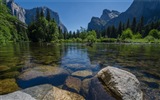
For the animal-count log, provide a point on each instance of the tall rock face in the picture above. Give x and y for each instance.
(99, 23)
(31, 14)
(149, 9)
(16, 10)
(96, 24)
(27, 15)
(108, 15)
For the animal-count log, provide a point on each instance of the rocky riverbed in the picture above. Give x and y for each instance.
(109, 83)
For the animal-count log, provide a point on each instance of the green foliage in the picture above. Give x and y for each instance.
(137, 36)
(91, 36)
(108, 40)
(127, 34)
(134, 24)
(43, 30)
(11, 29)
(154, 33)
(150, 38)
(48, 17)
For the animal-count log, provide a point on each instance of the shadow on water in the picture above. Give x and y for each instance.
(151, 84)
(149, 75)
(54, 80)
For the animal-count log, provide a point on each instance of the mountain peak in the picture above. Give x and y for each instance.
(108, 15)
(149, 9)
(27, 15)
(97, 23)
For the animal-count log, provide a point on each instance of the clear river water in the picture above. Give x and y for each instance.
(143, 60)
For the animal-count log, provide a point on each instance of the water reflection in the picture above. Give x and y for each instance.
(140, 59)
(75, 54)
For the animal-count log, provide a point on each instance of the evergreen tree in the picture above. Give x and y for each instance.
(108, 31)
(78, 33)
(123, 27)
(69, 35)
(140, 26)
(134, 23)
(37, 14)
(128, 24)
(42, 14)
(120, 28)
(74, 34)
(113, 32)
(48, 17)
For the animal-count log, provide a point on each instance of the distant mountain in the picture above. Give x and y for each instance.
(27, 15)
(149, 9)
(99, 23)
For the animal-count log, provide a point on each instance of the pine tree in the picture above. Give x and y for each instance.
(128, 24)
(123, 27)
(42, 14)
(48, 17)
(140, 25)
(108, 32)
(120, 28)
(113, 32)
(37, 14)
(134, 23)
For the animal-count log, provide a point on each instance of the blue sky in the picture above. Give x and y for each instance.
(77, 13)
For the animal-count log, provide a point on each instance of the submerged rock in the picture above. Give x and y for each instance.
(85, 86)
(73, 83)
(82, 74)
(3, 68)
(120, 84)
(41, 71)
(7, 86)
(42, 92)
(42, 75)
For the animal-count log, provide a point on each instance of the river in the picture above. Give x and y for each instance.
(143, 60)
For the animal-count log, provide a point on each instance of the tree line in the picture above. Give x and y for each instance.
(44, 29)
(132, 29)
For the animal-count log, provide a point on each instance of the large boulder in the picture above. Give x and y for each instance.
(120, 84)
(42, 92)
(42, 75)
(18, 95)
(58, 94)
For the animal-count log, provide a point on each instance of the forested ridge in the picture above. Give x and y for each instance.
(45, 29)
(11, 29)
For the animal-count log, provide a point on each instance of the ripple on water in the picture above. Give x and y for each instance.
(150, 75)
(152, 84)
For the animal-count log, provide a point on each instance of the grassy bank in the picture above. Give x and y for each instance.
(108, 40)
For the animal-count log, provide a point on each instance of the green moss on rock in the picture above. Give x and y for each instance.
(8, 85)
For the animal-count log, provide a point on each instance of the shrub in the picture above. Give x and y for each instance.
(154, 33)
(149, 38)
(127, 34)
(137, 36)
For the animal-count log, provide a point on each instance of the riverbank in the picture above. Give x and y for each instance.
(107, 40)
